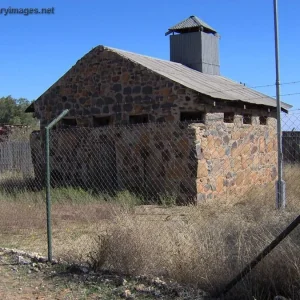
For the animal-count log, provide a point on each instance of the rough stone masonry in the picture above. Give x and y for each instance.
(216, 158)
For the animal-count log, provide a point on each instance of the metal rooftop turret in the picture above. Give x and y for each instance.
(191, 24)
(195, 45)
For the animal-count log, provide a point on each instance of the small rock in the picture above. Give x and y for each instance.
(126, 294)
(158, 282)
(42, 259)
(143, 289)
(106, 280)
(23, 261)
(140, 287)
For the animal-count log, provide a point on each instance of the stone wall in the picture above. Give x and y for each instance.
(233, 158)
(153, 160)
(195, 162)
(104, 83)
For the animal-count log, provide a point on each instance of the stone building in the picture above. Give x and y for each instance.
(230, 127)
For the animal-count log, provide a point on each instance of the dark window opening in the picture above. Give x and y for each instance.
(69, 122)
(229, 117)
(138, 119)
(192, 116)
(263, 120)
(101, 121)
(247, 119)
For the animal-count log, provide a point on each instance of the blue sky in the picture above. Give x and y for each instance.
(36, 50)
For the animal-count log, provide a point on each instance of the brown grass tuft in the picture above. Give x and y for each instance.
(209, 244)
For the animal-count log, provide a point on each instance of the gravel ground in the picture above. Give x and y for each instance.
(29, 276)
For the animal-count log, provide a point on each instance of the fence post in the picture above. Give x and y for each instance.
(48, 182)
(280, 184)
(260, 256)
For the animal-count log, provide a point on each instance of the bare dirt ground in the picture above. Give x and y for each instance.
(74, 227)
(22, 278)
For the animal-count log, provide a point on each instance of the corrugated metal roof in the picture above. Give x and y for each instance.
(215, 86)
(191, 22)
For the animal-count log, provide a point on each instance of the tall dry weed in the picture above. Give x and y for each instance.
(212, 244)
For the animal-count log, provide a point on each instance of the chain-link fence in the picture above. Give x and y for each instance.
(123, 197)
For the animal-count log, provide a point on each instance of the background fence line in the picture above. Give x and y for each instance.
(15, 156)
(291, 146)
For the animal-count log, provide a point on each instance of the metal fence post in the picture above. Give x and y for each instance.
(261, 255)
(48, 182)
(280, 184)
(48, 196)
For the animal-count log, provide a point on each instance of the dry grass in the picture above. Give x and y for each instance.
(205, 245)
(77, 216)
(207, 249)
(209, 244)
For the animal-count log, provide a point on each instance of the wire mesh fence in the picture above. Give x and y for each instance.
(22, 204)
(16, 157)
(123, 197)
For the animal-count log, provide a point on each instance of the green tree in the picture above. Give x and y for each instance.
(12, 111)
